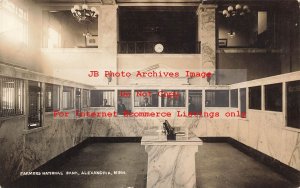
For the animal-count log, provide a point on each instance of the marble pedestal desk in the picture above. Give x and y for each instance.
(171, 163)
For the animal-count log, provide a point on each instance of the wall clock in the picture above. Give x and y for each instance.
(159, 48)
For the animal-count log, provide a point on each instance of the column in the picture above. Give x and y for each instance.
(207, 36)
(107, 36)
(107, 29)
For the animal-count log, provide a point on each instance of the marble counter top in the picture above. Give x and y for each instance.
(159, 138)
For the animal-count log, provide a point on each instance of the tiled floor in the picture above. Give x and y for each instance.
(217, 165)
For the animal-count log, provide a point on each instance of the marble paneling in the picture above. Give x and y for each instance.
(11, 149)
(131, 127)
(171, 166)
(199, 127)
(291, 148)
(265, 132)
(269, 141)
(254, 124)
(233, 128)
(243, 132)
(23, 150)
(223, 127)
(274, 119)
(57, 137)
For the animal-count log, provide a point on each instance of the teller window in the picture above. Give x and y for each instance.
(195, 101)
(124, 101)
(102, 98)
(146, 98)
(217, 98)
(172, 98)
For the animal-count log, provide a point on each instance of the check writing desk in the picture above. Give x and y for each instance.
(171, 162)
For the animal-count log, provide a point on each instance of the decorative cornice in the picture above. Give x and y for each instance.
(203, 7)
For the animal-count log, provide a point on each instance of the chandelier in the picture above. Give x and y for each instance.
(238, 10)
(232, 13)
(84, 14)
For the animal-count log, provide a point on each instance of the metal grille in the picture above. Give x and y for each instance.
(85, 98)
(35, 104)
(51, 97)
(102, 98)
(12, 97)
(78, 99)
(68, 98)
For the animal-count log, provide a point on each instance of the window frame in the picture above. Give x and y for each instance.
(227, 105)
(20, 14)
(146, 90)
(72, 98)
(58, 97)
(184, 105)
(265, 97)
(259, 107)
(91, 98)
(85, 98)
(18, 96)
(231, 99)
(289, 124)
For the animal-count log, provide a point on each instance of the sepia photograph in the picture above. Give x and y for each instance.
(150, 93)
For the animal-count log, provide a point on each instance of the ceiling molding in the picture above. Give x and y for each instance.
(158, 4)
(110, 2)
(66, 4)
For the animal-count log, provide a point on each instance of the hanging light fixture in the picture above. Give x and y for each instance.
(87, 34)
(238, 10)
(84, 14)
(232, 13)
(231, 33)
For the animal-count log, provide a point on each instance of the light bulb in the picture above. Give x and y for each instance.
(245, 7)
(76, 7)
(225, 12)
(84, 7)
(238, 6)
